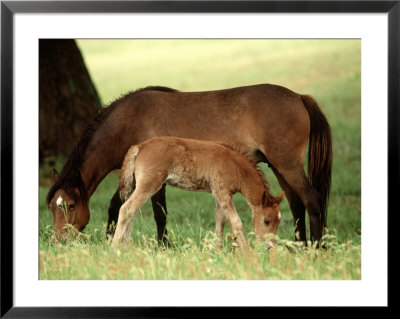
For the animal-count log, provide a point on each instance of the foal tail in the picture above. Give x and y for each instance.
(127, 174)
(319, 153)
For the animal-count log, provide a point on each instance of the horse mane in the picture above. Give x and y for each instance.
(270, 199)
(155, 88)
(70, 176)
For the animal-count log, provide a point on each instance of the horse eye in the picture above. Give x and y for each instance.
(71, 206)
(267, 222)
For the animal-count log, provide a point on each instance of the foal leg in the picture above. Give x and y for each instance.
(160, 214)
(127, 213)
(296, 206)
(226, 203)
(159, 208)
(220, 219)
(113, 212)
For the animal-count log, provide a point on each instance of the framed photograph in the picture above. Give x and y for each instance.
(66, 62)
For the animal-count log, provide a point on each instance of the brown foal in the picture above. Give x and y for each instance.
(197, 166)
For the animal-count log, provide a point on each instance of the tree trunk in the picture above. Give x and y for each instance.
(67, 97)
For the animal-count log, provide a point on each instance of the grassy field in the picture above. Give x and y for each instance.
(327, 69)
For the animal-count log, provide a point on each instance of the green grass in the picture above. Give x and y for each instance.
(198, 259)
(330, 70)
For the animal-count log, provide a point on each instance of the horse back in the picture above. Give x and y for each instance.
(247, 117)
(261, 120)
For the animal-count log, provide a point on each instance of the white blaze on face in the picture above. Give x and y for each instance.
(59, 201)
(279, 215)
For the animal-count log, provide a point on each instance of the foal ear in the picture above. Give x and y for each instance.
(55, 175)
(280, 197)
(264, 199)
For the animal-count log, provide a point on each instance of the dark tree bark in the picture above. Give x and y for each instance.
(67, 97)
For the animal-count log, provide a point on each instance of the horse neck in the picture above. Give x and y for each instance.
(105, 142)
(92, 176)
(98, 161)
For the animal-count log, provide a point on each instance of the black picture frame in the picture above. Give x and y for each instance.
(9, 8)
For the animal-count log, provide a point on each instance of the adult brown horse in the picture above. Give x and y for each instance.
(271, 123)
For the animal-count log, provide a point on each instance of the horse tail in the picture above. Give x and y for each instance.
(127, 174)
(319, 153)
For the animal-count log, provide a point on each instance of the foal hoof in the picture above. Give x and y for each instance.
(269, 246)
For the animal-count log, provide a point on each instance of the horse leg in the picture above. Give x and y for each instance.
(160, 214)
(296, 206)
(220, 219)
(298, 181)
(226, 203)
(113, 212)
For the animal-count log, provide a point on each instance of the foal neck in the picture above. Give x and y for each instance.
(253, 188)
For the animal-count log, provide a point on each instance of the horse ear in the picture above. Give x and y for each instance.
(280, 197)
(55, 175)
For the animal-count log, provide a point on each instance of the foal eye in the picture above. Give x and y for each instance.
(266, 222)
(71, 206)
